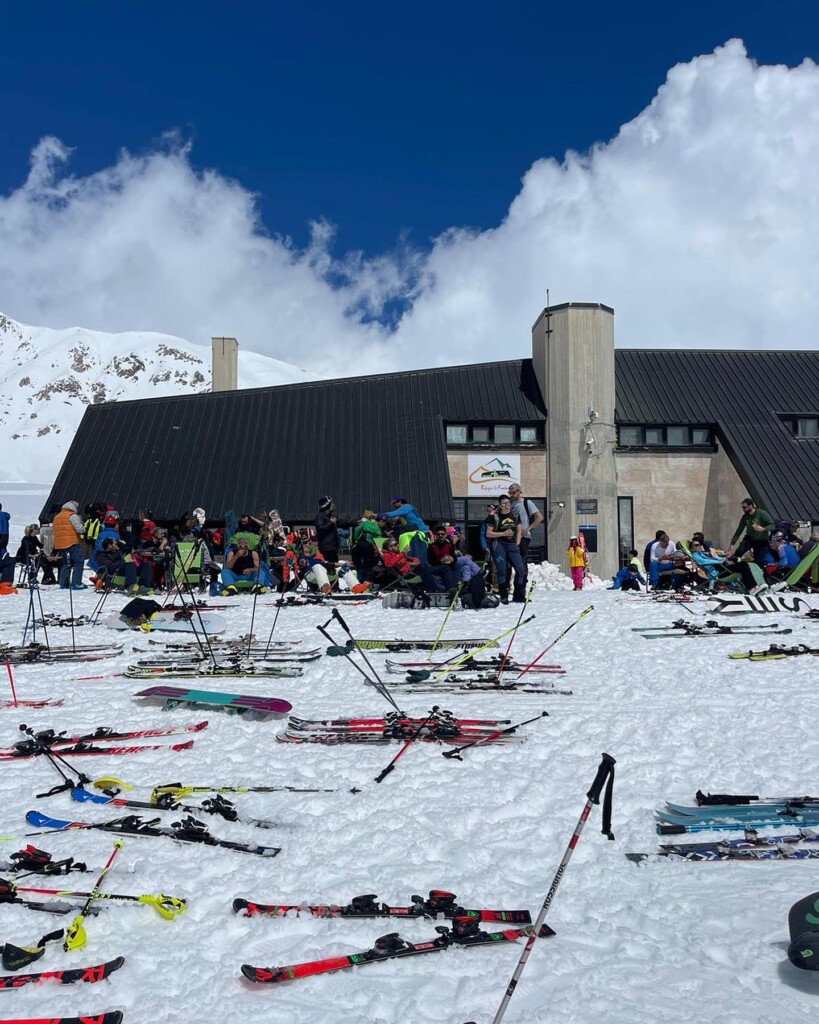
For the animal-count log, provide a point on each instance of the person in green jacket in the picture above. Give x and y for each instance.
(756, 524)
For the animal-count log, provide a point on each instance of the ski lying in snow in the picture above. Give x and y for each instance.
(42, 656)
(464, 934)
(437, 903)
(457, 684)
(186, 831)
(89, 750)
(689, 629)
(481, 665)
(69, 976)
(51, 739)
(256, 654)
(47, 703)
(110, 1017)
(221, 643)
(721, 850)
(740, 799)
(399, 720)
(678, 824)
(32, 861)
(332, 738)
(743, 810)
(201, 669)
(776, 652)
(214, 805)
(174, 696)
(397, 646)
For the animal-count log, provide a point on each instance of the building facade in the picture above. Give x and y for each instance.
(613, 443)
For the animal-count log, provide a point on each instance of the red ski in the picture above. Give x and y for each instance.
(48, 738)
(70, 976)
(111, 1017)
(88, 750)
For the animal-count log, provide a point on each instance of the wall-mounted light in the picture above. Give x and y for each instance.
(557, 504)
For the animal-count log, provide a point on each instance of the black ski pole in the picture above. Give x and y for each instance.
(457, 751)
(605, 773)
(197, 547)
(59, 762)
(252, 619)
(346, 651)
(380, 777)
(340, 620)
(71, 612)
(273, 627)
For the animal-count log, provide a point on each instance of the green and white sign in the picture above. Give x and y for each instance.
(489, 474)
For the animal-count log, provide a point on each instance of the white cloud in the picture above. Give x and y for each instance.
(698, 222)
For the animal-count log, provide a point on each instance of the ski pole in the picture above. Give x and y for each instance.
(380, 777)
(71, 610)
(456, 751)
(346, 652)
(59, 762)
(168, 907)
(383, 688)
(11, 682)
(551, 645)
(75, 937)
(272, 628)
(605, 773)
(472, 653)
(446, 618)
(505, 657)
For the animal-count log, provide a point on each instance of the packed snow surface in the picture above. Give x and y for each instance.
(660, 942)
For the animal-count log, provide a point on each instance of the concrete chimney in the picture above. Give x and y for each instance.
(224, 364)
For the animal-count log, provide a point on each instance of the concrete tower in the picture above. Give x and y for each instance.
(573, 356)
(224, 364)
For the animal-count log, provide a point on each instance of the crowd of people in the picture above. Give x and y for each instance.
(395, 547)
(761, 554)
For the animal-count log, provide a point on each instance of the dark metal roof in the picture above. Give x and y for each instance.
(744, 395)
(360, 439)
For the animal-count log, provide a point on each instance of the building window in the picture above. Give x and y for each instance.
(676, 435)
(807, 426)
(497, 433)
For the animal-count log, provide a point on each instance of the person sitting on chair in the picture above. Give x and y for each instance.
(111, 563)
(405, 565)
(240, 565)
(28, 554)
(441, 555)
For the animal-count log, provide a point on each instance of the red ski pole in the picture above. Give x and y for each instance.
(11, 682)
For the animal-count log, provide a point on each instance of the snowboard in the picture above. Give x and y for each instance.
(212, 624)
(234, 702)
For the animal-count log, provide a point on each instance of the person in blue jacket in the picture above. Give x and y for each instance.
(5, 519)
(409, 518)
(628, 578)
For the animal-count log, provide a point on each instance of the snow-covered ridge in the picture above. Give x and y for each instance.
(48, 377)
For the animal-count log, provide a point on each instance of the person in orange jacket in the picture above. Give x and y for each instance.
(577, 562)
(68, 534)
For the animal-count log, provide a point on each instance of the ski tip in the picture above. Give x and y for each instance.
(638, 858)
(239, 906)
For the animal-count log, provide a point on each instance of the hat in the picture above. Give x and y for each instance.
(325, 502)
(368, 514)
(574, 537)
(399, 499)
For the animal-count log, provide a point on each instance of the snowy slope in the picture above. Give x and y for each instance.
(48, 377)
(657, 944)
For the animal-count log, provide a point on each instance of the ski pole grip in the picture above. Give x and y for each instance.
(603, 772)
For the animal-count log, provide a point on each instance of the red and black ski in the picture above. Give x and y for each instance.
(111, 1017)
(69, 976)
(88, 750)
(464, 934)
(49, 738)
(438, 903)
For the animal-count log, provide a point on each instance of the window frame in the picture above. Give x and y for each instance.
(490, 427)
(663, 444)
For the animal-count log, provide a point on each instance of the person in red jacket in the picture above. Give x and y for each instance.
(441, 554)
(406, 565)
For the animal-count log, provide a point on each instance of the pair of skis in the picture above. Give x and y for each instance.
(776, 652)
(441, 726)
(188, 830)
(69, 976)
(240, 668)
(752, 847)
(88, 744)
(737, 812)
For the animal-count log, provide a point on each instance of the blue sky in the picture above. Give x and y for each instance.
(383, 118)
(356, 186)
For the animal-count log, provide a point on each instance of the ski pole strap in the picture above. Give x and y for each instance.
(604, 777)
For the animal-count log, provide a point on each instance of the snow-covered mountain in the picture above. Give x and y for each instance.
(48, 377)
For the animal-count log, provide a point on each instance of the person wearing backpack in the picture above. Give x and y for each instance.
(530, 516)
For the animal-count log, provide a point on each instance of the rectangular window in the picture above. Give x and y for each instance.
(480, 435)
(631, 435)
(807, 426)
(528, 435)
(677, 436)
(456, 433)
(700, 435)
(654, 435)
(504, 433)
(625, 519)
